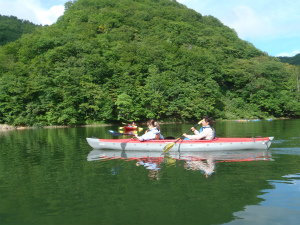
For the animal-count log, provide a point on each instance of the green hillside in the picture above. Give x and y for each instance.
(12, 28)
(295, 60)
(118, 60)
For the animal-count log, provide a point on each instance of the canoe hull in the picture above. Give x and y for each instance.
(130, 128)
(218, 144)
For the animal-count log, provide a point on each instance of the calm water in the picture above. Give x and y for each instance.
(52, 176)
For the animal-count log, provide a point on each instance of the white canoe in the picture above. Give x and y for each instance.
(218, 144)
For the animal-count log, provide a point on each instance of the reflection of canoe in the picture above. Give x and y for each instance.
(218, 144)
(153, 161)
(125, 132)
(130, 128)
(231, 156)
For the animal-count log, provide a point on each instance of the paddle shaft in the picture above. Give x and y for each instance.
(189, 130)
(169, 146)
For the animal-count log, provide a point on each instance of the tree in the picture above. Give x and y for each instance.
(111, 60)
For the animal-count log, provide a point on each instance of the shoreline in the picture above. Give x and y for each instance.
(5, 127)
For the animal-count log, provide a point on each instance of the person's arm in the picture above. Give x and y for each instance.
(191, 136)
(198, 135)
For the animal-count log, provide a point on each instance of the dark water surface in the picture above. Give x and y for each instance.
(52, 176)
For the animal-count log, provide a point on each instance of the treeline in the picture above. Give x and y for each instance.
(295, 60)
(118, 60)
(12, 28)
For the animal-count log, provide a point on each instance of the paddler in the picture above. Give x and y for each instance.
(206, 132)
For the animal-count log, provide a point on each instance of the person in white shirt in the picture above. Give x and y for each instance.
(206, 132)
(152, 133)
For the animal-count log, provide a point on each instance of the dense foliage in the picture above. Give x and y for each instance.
(12, 28)
(116, 60)
(295, 60)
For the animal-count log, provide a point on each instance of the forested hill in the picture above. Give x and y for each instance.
(12, 28)
(119, 60)
(295, 60)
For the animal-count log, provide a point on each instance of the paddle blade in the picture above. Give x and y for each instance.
(115, 133)
(168, 147)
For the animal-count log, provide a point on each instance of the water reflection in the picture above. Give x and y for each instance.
(206, 166)
(151, 164)
(202, 161)
(286, 204)
(129, 133)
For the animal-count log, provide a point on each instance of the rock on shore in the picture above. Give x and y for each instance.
(6, 127)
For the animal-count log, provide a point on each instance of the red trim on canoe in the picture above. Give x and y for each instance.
(194, 159)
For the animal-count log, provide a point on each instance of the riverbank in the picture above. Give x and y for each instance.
(5, 127)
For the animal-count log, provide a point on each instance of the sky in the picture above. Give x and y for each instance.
(273, 26)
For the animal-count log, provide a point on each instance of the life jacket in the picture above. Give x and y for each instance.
(208, 126)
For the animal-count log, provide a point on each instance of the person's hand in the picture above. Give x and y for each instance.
(184, 134)
(193, 129)
(136, 135)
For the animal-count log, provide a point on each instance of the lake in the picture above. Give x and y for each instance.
(52, 176)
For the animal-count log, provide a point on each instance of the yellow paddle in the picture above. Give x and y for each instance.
(116, 133)
(169, 146)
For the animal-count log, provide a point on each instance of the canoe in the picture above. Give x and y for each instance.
(130, 128)
(217, 144)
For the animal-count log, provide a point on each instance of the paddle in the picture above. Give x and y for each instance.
(125, 124)
(169, 146)
(116, 133)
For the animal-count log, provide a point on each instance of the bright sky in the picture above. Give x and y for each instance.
(273, 26)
